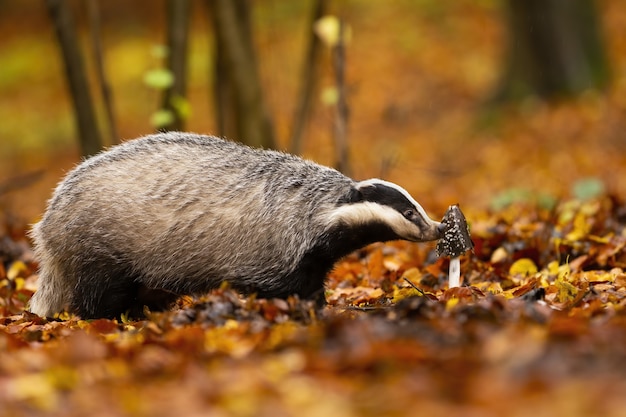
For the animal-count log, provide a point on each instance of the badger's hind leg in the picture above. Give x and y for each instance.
(54, 292)
(98, 288)
(111, 288)
(101, 291)
(105, 287)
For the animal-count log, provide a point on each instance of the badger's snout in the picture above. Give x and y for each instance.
(428, 231)
(435, 231)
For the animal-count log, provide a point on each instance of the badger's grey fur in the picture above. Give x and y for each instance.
(178, 213)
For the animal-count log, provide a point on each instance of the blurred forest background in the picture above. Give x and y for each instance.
(460, 101)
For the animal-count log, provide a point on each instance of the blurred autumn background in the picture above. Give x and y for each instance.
(483, 103)
(424, 86)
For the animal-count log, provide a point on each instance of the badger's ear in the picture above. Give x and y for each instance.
(363, 191)
(367, 190)
(355, 195)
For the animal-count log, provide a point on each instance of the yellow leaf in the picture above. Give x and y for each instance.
(329, 96)
(601, 239)
(17, 269)
(553, 267)
(111, 337)
(412, 274)
(493, 288)
(38, 389)
(19, 283)
(566, 291)
(64, 315)
(404, 292)
(599, 276)
(524, 267)
(327, 28)
(451, 303)
(581, 228)
(231, 324)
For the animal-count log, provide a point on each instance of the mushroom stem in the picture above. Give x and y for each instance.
(454, 275)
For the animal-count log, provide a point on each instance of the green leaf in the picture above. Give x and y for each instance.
(588, 188)
(160, 51)
(510, 196)
(182, 106)
(522, 195)
(161, 118)
(159, 79)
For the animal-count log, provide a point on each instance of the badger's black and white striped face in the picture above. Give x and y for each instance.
(379, 202)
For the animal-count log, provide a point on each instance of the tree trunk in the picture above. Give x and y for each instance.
(224, 96)
(89, 135)
(236, 67)
(178, 12)
(555, 49)
(98, 56)
(309, 68)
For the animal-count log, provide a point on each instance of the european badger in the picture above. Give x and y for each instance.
(178, 213)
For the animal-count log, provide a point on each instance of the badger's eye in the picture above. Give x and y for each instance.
(408, 213)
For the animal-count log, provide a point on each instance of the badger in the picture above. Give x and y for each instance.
(174, 214)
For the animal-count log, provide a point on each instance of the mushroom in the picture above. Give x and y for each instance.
(456, 241)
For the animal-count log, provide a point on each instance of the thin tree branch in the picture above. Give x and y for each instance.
(342, 113)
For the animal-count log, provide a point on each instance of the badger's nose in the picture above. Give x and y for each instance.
(441, 228)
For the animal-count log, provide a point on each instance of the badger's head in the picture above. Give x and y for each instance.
(387, 211)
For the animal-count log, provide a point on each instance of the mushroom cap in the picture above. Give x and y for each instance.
(456, 239)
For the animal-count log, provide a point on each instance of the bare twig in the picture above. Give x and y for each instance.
(365, 308)
(415, 286)
(20, 181)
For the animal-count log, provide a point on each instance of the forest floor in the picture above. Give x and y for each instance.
(538, 328)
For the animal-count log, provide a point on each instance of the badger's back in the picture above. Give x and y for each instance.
(181, 213)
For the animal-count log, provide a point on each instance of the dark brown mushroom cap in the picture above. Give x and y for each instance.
(456, 239)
